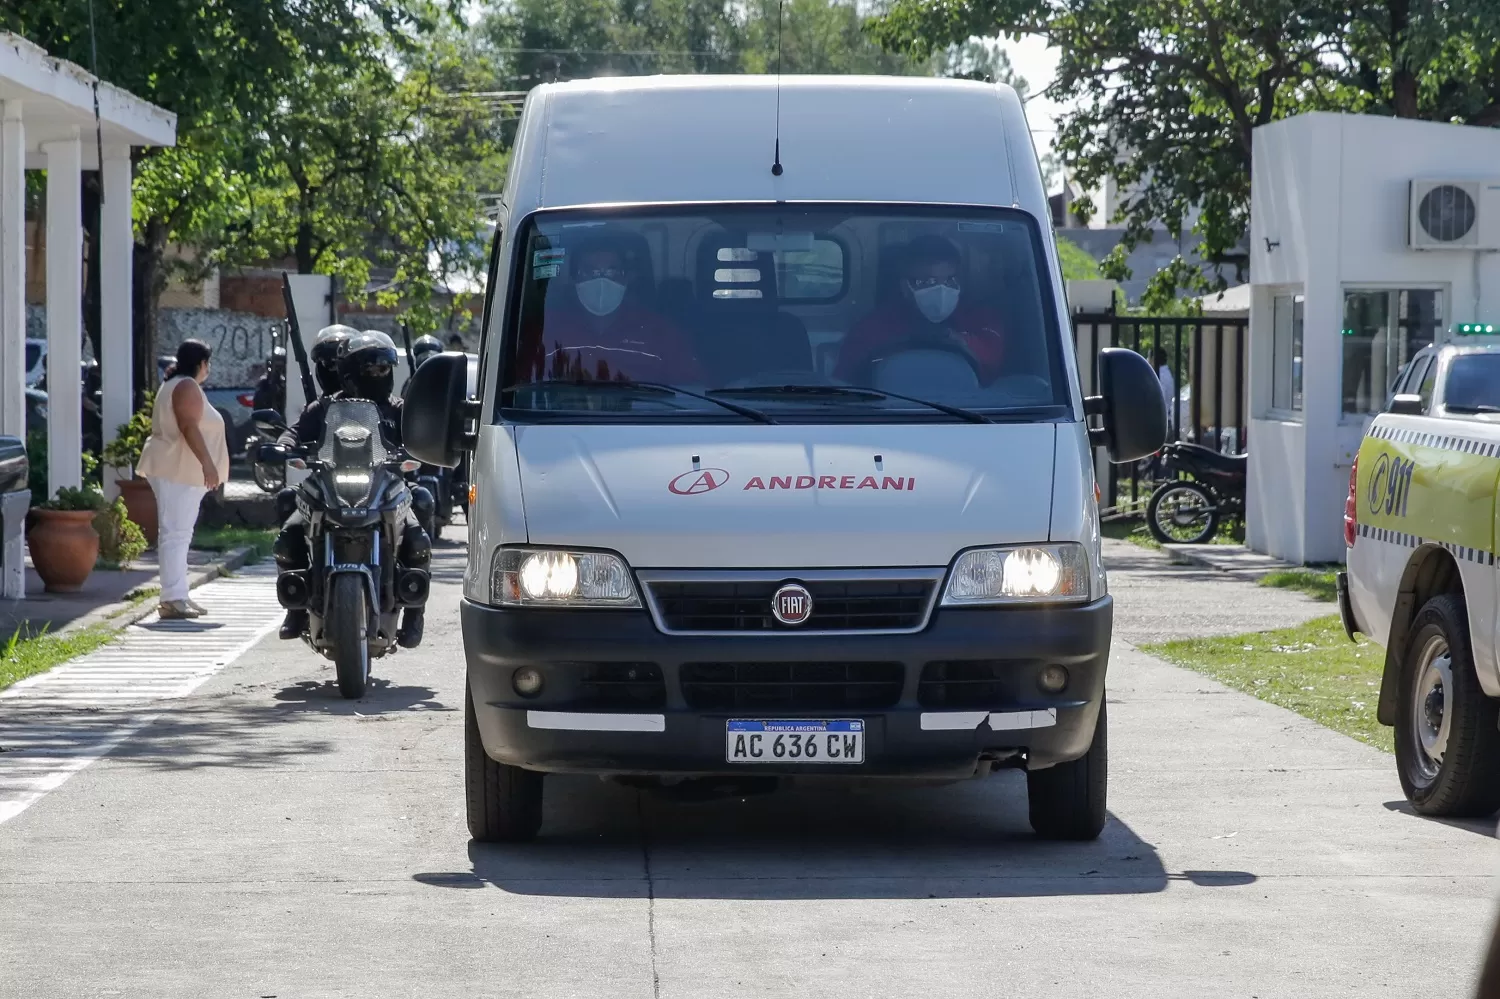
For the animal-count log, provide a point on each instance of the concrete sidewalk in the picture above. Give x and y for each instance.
(108, 595)
(1237, 560)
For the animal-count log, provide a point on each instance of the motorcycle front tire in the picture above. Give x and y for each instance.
(1209, 522)
(347, 628)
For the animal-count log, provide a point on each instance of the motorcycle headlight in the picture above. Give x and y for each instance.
(522, 577)
(352, 485)
(1019, 574)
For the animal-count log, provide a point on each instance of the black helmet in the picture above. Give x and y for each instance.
(325, 355)
(424, 348)
(367, 366)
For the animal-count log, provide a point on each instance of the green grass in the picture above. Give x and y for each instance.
(223, 539)
(1313, 669)
(28, 654)
(1316, 583)
(1133, 531)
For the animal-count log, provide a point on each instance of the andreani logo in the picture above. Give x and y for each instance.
(898, 483)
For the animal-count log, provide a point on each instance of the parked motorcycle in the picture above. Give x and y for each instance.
(1188, 511)
(355, 503)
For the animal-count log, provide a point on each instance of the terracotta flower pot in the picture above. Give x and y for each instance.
(140, 504)
(64, 547)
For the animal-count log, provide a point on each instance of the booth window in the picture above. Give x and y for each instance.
(1286, 353)
(1383, 330)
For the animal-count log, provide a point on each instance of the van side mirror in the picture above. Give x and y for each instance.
(436, 409)
(1407, 404)
(1133, 416)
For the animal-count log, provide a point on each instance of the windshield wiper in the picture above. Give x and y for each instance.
(660, 388)
(848, 391)
(1478, 407)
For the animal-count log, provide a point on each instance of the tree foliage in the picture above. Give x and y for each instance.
(1168, 93)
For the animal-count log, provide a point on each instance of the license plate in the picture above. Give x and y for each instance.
(795, 741)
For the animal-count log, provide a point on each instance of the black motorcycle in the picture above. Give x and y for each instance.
(1188, 511)
(355, 504)
(439, 482)
(267, 468)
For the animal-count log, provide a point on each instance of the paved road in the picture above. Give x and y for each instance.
(264, 838)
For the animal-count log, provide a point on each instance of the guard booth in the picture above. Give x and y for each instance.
(1370, 238)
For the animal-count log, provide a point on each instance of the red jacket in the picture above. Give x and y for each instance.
(978, 330)
(635, 345)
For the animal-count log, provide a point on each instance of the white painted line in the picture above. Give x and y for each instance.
(1008, 721)
(951, 721)
(581, 721)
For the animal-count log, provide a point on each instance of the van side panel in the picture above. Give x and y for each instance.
(497, 515)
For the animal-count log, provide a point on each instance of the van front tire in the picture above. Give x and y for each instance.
(1453, 773)
(504, 802)
(1068, 801)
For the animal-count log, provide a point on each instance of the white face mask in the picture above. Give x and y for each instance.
(936, 303)
(600, 296)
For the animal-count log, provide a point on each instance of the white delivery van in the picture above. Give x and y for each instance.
(781, 461)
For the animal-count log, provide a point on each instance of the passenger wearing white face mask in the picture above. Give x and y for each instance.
(599, 334)
(929, 309)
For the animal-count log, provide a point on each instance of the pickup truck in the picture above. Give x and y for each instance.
(1422, 579)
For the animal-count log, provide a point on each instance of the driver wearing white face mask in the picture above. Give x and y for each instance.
(929, 310)
(599, 334)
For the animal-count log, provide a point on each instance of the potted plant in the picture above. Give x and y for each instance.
(121, 541)
(123, 454)
(61, 537)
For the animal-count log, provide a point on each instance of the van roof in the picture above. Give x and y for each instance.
(663, 139)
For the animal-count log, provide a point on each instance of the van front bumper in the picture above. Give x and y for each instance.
(614, 701)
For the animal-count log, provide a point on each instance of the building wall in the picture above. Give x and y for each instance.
(1329, 202)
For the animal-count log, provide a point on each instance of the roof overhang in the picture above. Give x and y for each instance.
(57, 102)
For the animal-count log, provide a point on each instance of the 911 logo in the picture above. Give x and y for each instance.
(699, 480)
(1390, 485)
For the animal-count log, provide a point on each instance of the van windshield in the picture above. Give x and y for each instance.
(796, 314)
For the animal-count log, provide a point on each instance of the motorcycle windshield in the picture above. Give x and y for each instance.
(352, 448)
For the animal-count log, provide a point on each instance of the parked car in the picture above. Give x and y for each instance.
(36, 360)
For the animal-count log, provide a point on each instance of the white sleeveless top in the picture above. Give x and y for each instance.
(167, 455)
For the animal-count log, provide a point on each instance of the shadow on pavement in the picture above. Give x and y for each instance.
(380, 695)
(968, 840)
(1484, 827)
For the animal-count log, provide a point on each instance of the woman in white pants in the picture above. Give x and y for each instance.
(184, 457)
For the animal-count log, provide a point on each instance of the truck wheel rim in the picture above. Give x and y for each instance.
(1432, 707)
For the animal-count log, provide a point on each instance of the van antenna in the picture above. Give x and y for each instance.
(776, 168)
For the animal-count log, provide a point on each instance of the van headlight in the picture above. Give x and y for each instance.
(1019, 574)
(529, 577)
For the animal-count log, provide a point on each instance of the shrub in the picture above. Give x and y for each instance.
(130, 438)
(87, 497)
(120, 539)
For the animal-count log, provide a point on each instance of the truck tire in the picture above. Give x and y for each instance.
(1447, 744)
(1067, 801)
(1182, 513)
(347, 627)
(504, 802)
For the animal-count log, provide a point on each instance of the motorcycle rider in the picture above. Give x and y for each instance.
(425, 347)
(270, 391)
(366, 367)
(325, 356)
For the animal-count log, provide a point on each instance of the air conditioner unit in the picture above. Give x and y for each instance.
(1453, 215)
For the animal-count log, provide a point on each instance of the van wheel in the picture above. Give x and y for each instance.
(1447, 744)
(1067, 801)
(504, 802)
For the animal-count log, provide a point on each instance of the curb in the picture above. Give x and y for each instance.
(121, 615)
(1253, 573)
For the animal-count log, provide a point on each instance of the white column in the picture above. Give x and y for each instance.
(12, 333)
(116, 254)
(64, 313)
(12, 271)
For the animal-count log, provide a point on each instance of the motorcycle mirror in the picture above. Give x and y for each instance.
(410, 465)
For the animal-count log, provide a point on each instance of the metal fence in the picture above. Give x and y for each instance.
(1210, 364)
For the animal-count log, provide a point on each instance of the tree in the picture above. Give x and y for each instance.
(373, 165)
(1168, 93)
(216, 64)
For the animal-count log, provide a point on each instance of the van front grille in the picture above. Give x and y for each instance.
(969, 683)
(621, 686)
(791, 686)
(837, 605)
